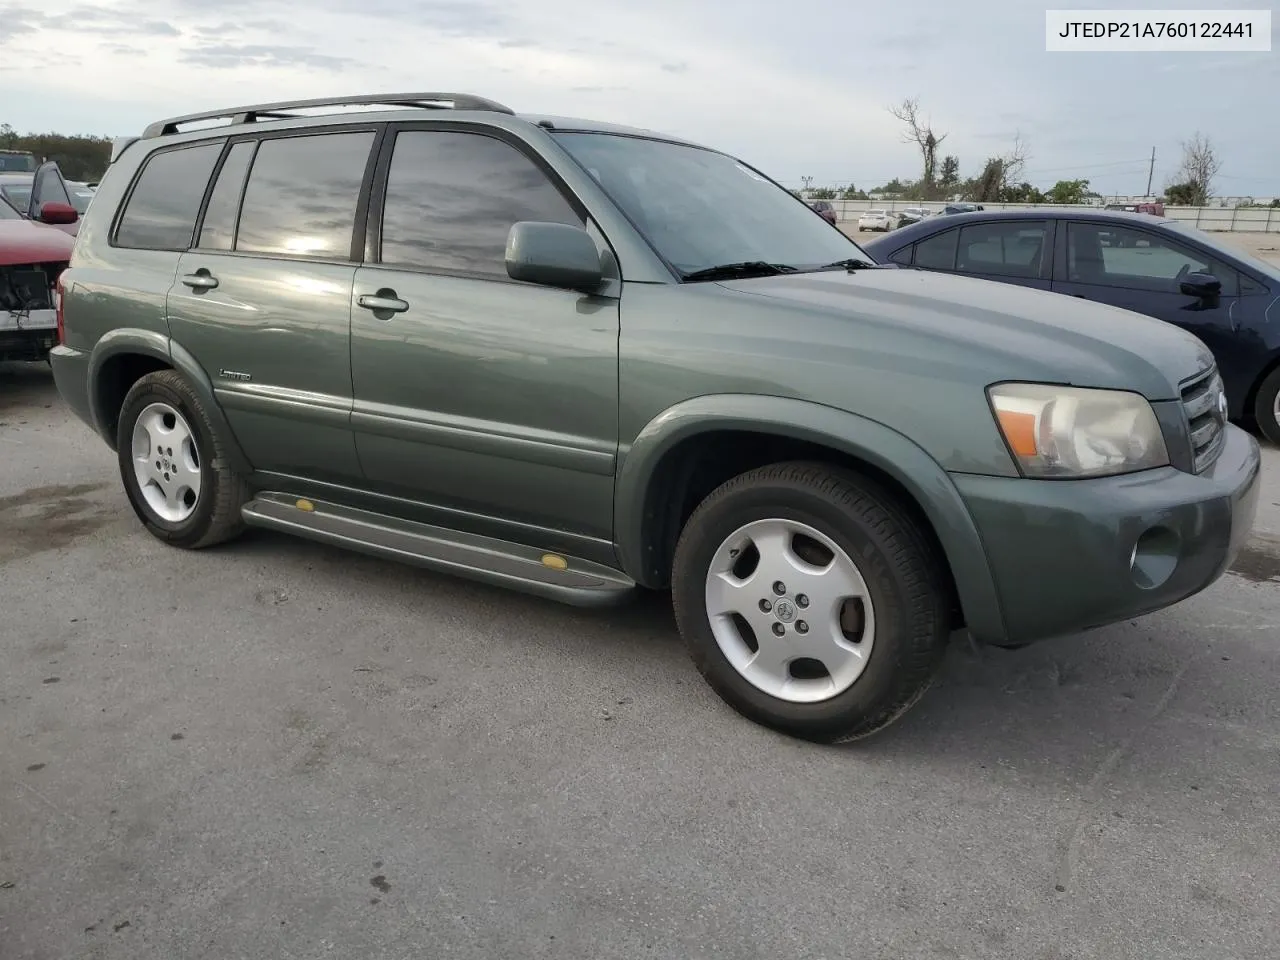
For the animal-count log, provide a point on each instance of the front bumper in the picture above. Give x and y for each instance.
(27, 336)
(1069, 555)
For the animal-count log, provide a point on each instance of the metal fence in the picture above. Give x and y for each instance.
(1235, 219)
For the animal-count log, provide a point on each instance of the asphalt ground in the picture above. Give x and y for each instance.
(275, 749)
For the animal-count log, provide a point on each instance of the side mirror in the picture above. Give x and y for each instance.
(554, 255)
(1203, 285)
(57, 213)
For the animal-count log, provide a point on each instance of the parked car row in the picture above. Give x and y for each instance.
(883, 221)
(625, 361)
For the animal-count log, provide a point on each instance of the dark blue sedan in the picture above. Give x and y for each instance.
(1147, 264)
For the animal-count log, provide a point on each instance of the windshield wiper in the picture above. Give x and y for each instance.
(852, 264)
(741, 270)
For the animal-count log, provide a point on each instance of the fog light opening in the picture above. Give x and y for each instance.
(1154, 557)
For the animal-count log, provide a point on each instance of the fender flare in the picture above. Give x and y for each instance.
(132, 340)
(867, 440)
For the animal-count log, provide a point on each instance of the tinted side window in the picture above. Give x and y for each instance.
(161, 212)
(302, 195)
(902, 256)
(452, 198)
(218, 232)
(1250, 287)
(1009, 248)
(49, 187)
(1117, 256)
(938, 252)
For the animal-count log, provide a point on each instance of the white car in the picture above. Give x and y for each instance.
(876, 220)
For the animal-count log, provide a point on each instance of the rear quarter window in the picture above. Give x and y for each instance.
(938, 252)
(161, 209)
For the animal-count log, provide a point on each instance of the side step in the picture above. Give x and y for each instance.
(517, 567)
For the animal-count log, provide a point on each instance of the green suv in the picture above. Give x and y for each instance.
(579, 359)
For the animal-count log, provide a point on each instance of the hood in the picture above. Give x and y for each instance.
(1006, 331)
(22, 241)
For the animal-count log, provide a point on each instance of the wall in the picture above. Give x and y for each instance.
(1236, 219)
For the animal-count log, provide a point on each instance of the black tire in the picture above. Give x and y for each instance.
(216, 517)
(1264, 406)
(905, 578)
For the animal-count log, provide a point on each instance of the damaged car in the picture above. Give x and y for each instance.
(31, 259)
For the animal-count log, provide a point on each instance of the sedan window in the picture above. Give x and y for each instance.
(938, 252)
(1008, 248)
(1117, 256)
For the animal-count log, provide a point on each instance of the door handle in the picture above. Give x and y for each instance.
(200, 280)
(384, 301)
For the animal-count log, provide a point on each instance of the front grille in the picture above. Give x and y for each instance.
(1206, 418)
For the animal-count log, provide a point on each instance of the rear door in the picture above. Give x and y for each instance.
(262, 299)
(1010, 251)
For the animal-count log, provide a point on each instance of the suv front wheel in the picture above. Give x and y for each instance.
(810, 601)
(173, 464)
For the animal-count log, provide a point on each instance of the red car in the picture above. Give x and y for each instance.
(825, 210)
(32, 256)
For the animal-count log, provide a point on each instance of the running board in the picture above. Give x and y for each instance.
(499, 562)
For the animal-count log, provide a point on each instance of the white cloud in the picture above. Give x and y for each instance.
(798, 90)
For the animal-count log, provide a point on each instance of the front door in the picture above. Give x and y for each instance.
(48, 186)
(263, 300)
(494, 401)
(1141, 270)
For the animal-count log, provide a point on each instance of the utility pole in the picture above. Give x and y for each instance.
(1151, 172)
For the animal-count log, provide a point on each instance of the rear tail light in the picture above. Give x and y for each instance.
(57, 306)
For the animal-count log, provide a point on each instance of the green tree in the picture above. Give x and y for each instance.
(822, 193)
(78, 157)
(1182, 195)
(894, 187)
(1069, 191)
(949, 178)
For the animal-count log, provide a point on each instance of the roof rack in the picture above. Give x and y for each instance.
(282, 110)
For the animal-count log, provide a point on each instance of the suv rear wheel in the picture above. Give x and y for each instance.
(810, 601)
(173, 464)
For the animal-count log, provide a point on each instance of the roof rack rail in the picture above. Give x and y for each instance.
(280, 111)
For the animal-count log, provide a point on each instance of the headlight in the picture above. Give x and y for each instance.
(1071, 432)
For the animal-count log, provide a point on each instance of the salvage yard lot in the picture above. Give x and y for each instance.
(276, 749)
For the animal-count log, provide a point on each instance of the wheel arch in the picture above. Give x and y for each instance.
(1251, 396)
(123, 356)
(708, 439)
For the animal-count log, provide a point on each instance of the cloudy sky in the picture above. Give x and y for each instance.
(799, 88)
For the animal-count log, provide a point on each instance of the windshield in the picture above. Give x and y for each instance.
(7, 212)
(1233, 251)
(17, 162)
(18, 194)
(700, 209)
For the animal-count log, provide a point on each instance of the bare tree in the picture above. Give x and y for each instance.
(921, 134)
(1000, 173)
(1200, 164)
(1015, 160)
